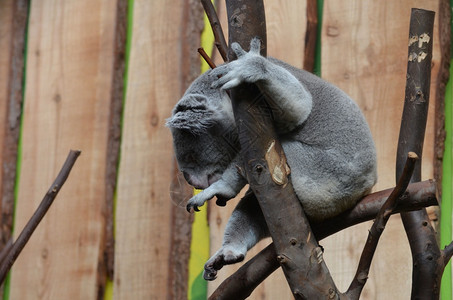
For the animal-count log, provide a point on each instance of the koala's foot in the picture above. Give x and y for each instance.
(227, 255)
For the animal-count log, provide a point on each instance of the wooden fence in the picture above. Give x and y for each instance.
(101, 76)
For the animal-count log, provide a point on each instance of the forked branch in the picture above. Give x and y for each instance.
(242, 283)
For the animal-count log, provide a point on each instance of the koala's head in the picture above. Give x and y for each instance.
(204, 133)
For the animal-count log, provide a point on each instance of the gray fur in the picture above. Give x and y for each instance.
(325, 137)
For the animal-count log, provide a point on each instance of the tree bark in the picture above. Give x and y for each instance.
(421, 235)
(242, 283)
(265, 166)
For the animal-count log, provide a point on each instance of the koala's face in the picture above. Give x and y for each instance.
(202, 157)
(204, 133)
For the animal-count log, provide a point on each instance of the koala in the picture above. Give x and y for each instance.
(325, 137)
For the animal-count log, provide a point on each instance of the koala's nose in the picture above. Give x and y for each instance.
(196, 182)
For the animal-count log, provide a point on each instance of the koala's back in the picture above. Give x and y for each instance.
(332, 155)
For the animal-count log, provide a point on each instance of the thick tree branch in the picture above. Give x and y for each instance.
(241, 284)
(40, 212)
(426, 254)
(265, 166)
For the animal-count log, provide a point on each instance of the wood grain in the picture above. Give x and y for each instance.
(364, 52)
(144, 208)
(67, 98)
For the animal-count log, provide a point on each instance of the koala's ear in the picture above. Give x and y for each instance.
(192, 113)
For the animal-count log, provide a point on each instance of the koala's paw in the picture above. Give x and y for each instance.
(225, 256)
(249, 67)
(195, 202)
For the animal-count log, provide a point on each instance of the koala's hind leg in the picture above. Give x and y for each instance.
(244, 229)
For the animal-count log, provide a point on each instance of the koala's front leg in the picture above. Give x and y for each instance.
(244, 229)
(290, 100)
(227, 187)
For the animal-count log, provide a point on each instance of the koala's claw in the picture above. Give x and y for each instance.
(209, 273)
(221, 258)
(190, 206)
(255, 46)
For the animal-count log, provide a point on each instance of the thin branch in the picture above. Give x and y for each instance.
(38, 215)
(206, 58)
(219, 37)
(376, 230)
(258, 268)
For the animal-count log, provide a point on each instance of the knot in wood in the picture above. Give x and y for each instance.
(293, 241)
(238, 17)
(259, 169)
(332, 293)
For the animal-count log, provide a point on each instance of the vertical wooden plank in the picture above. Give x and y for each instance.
(286, 24)
(364, 52)
(144, 208)
(68, 91)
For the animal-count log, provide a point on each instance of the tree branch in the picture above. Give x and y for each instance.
(267, 172)
(426, 274)
(206, 57)
(241, 284)
(361, 276)
(40, 212)
(219, 37)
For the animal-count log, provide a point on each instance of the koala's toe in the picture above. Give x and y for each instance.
(191, 206)
(209, 274)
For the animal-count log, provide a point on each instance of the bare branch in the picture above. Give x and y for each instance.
(376, 230)
(219, 37)
(38, 215)
(298, 252)
(422, 237)
(251, 274)
(206, 58)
